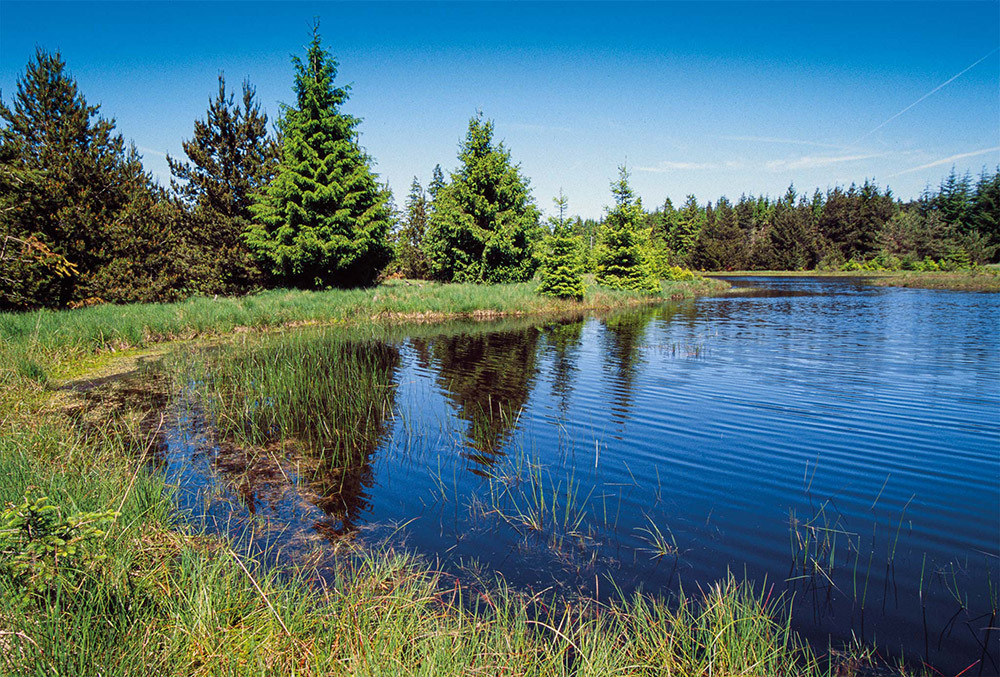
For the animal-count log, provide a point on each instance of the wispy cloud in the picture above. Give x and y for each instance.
(947, 160)
(674, 166)
(772, 139)
(815, 162)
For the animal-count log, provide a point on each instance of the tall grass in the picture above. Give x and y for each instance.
(121, 326)
(319, 389)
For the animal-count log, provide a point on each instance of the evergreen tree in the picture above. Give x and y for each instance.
(437, 182)
(985, 215)
(792, 236)
(560, 273)
(230, 159)
(484, 224)
(323, 220)
(687, 223)
(622, 258)
(409, 254)
(721, 244)
(70, 184)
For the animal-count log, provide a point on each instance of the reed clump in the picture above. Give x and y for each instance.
(330, 394)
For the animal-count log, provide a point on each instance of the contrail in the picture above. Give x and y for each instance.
(939, 87)
(947, 160)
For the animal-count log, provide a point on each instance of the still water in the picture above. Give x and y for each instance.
(837, 441)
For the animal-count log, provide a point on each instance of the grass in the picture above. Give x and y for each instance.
(316, 388)
(134, 325)
(978, 279)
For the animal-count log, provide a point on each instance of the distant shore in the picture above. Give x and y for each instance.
(985, 279)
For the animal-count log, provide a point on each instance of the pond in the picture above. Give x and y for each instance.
(834, 441)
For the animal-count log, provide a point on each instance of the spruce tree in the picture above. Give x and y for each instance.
(560, 272)
(409, 254)
(687, 223)
(986, 211)
(70, 183)
(621, 257)
(323, 220)
(230, 158)
(437, 182)
(484, 224)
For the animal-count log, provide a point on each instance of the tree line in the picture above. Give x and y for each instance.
(247, 208)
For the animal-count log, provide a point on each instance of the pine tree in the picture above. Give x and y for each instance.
(70, 183)
(484, 224)
(721, 244)
(621, 258)
(230, 159)
(560, 272)
(323, 220)
(409, 254)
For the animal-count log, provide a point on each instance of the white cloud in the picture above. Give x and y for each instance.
(150, 151)
(947, 160)
(672, 166)
(772, 139)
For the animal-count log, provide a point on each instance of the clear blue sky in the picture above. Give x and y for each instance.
(711, 98)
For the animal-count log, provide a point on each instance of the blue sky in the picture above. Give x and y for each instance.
(711, 98)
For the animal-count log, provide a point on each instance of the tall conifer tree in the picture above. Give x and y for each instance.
(484, 224)
(409, 253)
(560, 272)
(621, 257)
(323, 220)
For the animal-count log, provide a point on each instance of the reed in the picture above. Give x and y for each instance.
(330, 394)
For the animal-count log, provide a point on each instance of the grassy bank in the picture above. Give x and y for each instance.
(49, 344)
(977, 279)
(122, 326)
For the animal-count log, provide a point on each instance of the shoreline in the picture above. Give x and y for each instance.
(980, 279)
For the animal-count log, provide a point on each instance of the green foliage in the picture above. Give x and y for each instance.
(410, 257)
(230, 158)
(323, 220)
(678, 274)
(721, 243)
(560, 273)
(483, 224)
(39, 545)
(684, 226)
(622, 259)
(69, 183)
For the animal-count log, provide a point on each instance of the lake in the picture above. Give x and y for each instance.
(834, 441)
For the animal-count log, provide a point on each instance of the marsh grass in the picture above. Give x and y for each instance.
(318, 389)
(123, 326)
(984, 278)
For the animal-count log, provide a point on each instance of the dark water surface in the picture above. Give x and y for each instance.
(839, 441)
